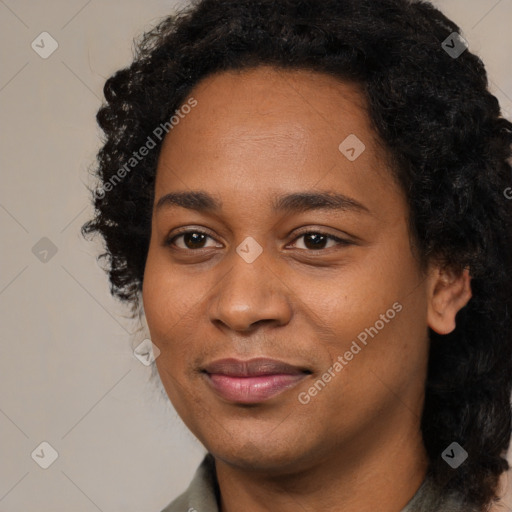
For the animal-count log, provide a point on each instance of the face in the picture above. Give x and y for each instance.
(297, 250)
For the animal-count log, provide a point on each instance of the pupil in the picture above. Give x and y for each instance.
(318, 240)
(195, 239)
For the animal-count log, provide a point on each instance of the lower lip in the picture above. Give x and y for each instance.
(250, 390)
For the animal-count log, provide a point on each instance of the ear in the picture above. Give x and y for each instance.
(448, 293)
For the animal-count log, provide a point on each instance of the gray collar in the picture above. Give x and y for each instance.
(202, 495)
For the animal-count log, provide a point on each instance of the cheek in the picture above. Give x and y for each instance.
(387, 348)
(352, 299)
(169, 298)
(165, 308)
(377, 301)
(382, 366)
(167, 311)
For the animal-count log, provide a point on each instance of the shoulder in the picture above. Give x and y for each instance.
(202, 492)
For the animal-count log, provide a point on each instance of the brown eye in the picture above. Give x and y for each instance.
(316, 240)
(194, 240)
(190, 240)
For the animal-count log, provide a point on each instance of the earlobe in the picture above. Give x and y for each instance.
(448, 294)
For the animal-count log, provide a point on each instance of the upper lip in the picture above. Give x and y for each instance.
(252, 368)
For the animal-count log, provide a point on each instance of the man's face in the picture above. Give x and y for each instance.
(305, 299)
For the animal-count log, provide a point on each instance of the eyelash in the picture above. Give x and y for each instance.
(340, 241)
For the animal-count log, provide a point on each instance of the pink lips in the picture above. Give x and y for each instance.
(252, 381)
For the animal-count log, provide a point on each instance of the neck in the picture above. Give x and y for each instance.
(381, 472)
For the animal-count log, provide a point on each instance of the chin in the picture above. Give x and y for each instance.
(264, 454)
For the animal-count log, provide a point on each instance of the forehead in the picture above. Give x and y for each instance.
(268, 88)
(278, 102)
(275, 129)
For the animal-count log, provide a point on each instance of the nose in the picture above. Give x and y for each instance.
(250, 294)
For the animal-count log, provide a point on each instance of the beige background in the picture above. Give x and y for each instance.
(68, 374)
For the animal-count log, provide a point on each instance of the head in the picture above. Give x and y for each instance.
(366, 169)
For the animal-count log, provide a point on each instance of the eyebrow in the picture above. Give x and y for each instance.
(297, 202)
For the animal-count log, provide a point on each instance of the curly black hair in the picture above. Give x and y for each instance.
(449, 144)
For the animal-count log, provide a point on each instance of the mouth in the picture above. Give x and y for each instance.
(252, 381)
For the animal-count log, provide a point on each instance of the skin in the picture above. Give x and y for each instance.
(356, 446)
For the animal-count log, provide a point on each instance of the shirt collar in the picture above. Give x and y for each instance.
(203, 495)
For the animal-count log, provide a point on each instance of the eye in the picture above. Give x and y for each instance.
(192, 239)
(196, 239)
(316, 240)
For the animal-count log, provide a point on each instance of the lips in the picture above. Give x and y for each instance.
(252, 368)
(252, 381)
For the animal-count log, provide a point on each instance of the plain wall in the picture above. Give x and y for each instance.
(68, 374)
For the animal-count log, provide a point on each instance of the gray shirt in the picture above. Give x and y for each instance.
(202, 495)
